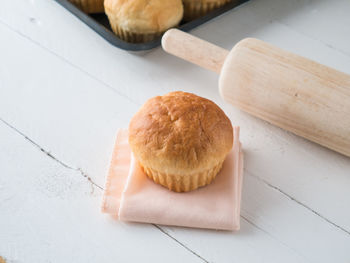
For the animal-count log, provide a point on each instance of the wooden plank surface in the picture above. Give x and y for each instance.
(48, 214)
(63, 93)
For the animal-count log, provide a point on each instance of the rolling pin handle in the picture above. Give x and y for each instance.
(194, 50)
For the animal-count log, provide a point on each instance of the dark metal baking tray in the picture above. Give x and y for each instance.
(99, 23)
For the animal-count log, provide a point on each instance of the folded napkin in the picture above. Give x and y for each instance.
(131, 196)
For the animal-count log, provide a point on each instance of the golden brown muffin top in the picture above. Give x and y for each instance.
(180, 133)
(145, 16)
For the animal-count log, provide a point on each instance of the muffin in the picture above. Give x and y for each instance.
(89, 6)
(180, 140)
(197, 8)
(140, 21)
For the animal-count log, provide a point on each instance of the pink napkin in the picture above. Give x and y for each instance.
(131, 196)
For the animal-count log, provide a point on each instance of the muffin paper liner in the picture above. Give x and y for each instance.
(133, 37)
(183, 183)
(89, 6)
(195, 9)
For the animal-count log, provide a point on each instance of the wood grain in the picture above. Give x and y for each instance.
(45, 205)
(289, 91)
(193, 49)
(68, 90)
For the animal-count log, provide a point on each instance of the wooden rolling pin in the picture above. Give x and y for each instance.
(287, 90)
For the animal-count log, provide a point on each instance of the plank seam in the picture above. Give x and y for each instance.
(273, 237)
(313, 38)
(101, 188)
(66, 61)
(181, 244)
(79, 170)
(67, 166)
(297, 201)
(129, 99)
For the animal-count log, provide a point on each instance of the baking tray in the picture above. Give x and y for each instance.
(99, 23)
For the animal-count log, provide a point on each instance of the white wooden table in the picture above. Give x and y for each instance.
(64, 91)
